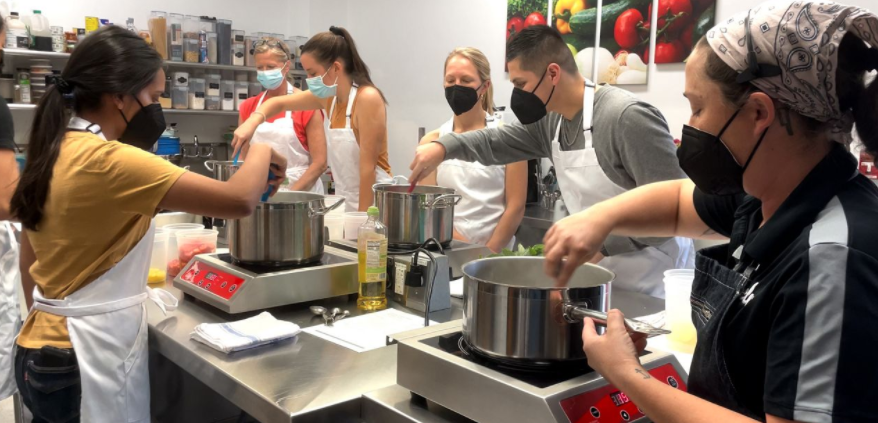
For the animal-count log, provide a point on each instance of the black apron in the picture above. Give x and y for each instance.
(715, 290)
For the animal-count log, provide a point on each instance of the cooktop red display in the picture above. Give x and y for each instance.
(214, 280)
(608, 404)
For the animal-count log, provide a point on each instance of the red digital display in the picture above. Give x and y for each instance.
(619, 398)
(217, 282)
(608, 404)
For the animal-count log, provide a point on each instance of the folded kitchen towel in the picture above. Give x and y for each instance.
(244, 334)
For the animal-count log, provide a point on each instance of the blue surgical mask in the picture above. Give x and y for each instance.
(320, 89)
(270, 79)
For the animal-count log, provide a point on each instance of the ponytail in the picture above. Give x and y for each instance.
(855, 60)
(337, 44)
(112, 60)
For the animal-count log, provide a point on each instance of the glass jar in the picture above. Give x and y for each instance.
(212, 102)
(181, 79)
(224, 41)
(238, 48)
(228, 95)
(197, 85)
(175, 37)
(242, 93)
(208, 24)
(249, 45)
(191, 26)
(213, 85)
(158, 32)
(180, 97)
(190, 50)
(212, 48)
(196, 100)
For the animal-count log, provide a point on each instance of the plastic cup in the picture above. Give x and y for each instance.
(174, 266)
(158, 262)
(329, 200)
(678, 309)
(194, 242)
(335, 224)
(352, 223)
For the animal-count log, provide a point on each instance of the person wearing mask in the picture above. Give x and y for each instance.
(356, 140)
(785, 311)
(10, 278)
(602, 143)
(299, 136)
(87, 204)
(493, 196)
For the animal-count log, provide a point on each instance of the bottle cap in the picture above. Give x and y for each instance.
(372, 211)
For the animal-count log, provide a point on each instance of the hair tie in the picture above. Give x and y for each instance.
(336, 30)
(61, 85)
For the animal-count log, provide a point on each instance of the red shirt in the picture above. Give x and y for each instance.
(300, 119)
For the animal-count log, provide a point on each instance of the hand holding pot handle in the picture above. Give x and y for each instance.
(615, 351)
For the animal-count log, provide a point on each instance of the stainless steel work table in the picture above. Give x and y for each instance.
(298, 380)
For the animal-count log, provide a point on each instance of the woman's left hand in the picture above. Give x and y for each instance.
(615, 349)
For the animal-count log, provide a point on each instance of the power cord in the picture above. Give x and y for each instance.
(415, 265)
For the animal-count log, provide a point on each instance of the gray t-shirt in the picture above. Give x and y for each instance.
(630, 138)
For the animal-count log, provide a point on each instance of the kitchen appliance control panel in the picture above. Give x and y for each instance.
(213, 280)
(608, 404)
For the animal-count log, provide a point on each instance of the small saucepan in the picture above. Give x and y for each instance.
(514, 313)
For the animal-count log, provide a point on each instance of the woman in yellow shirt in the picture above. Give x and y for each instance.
(87, 206)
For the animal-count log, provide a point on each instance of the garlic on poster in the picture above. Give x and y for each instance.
(636, 63)
(584, 62)
(622, 58)
(607, 68)
(631, 77)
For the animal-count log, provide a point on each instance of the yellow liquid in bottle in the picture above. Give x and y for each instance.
(372, 271)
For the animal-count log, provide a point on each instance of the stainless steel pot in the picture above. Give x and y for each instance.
(284, 231)
(513, 312)
(411, 219)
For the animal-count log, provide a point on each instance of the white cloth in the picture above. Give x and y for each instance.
(10, 314)
(107, 324)
(281, 135)
(343, 155)
(483, 189)
(583, 184)
(256, 331)
(802, 38)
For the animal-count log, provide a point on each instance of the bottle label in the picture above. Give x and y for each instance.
(376, 260)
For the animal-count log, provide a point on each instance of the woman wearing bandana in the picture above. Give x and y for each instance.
(493, 196)
(785, 311)
(86, 198)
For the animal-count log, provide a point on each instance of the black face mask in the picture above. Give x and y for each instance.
(461, 99)
(710, 164)
(145, 128)
(527, 106)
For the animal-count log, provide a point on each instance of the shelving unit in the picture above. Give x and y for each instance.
(15, 107)
(34, 54)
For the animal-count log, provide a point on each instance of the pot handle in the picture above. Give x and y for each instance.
(445, 199)
(209, 164)
(574, 313)
(323, 212)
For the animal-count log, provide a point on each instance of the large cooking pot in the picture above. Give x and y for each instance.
(413, 218)
(513, 312)
(286, 230)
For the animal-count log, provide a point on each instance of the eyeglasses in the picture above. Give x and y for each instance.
(272, 44)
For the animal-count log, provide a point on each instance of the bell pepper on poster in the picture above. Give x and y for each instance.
(564, 10)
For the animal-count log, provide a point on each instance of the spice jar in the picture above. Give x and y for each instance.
(238, 48)
(228, 95)
(242, 93)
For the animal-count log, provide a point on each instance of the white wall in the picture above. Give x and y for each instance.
(405, 45)
(289, 17)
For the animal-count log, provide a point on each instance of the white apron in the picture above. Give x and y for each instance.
(281, 135)
(583, 184)
(10, 314)
(107, 323)
(483, 189)
(343, 155)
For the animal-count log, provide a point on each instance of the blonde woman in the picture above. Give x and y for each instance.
(493, 196)
(299, 136)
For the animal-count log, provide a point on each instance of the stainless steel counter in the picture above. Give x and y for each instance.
(304, 379)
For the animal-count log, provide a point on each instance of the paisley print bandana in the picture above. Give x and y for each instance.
(801, 38)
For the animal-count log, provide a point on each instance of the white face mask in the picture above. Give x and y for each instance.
(319, 88)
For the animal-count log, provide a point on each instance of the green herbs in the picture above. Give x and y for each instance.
(534, 251)
(524, 8)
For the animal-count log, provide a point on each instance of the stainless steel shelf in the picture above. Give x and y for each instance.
(31, 107)
(34, 54)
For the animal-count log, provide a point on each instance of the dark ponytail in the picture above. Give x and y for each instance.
(111, 60)
(337, 44)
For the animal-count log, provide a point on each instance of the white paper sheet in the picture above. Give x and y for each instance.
(456, 288)
(369, 331)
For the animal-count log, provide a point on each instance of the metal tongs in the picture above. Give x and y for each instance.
(330, 316)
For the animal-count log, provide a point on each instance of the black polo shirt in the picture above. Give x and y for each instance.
(805, 347)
